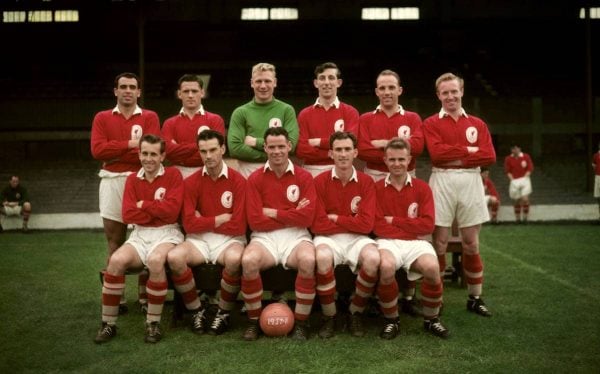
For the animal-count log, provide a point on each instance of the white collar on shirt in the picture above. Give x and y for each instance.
(335, 103)
(388, 181)
(289, 168)
(137, 110)
(443, 113)
(224, 171)
(354, 176)
(399, 110)
(200, 111)
(141, 173)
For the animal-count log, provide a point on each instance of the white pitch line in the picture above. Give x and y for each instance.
(543, 272)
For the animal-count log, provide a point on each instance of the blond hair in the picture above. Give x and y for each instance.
(263, 66)
(449, 77)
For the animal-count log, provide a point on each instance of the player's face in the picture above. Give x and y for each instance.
(190, 95)
(515, 151)
(211, 152)
(127, 91)
(450, 95)
(151, 157)
(397, 161)
(277, 149)
(327, 83)
(14, 182)
(343, 153)
(263, 83)
(388, 91)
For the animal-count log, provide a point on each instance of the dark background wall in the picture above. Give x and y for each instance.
(56, 76)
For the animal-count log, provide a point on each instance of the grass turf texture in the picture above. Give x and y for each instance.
(541, 282)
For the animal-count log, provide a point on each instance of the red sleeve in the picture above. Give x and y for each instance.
(254, 205)
(485, 155)
(423, 224)
(439, 151)
(192, 196)
(322, 224)
(529, 163)
(102, 148)
(304, 150)
(131, 213)
(366, 151)
(301, 217)
(237, 224)
(351, 117)
(363, 221)
(168, 208)
(492, 189)
(417, 139)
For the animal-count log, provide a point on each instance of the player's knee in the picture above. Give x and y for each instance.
(370, 259)
(176, 261)
(27, 207)
(155, 262)
(251, 261)
(232, 259)
(387, 270)
(324, 257)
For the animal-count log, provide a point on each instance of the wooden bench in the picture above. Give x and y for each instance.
(278, 279)
(455, 247)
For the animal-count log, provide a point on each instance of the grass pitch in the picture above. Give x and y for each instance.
(541, 283)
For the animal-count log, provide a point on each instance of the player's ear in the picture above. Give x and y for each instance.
(330, 154)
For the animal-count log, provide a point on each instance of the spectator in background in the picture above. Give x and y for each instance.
(596, 166)
(491, 194)
(387, 121)
(250, 121)
(151, 202)
(15, 202)
(115, 138)
(459, 144)
(181, 130)
(518, 167)
(318, 121)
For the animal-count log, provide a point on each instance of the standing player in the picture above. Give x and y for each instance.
(250, 121)
(459, 144)
(491, 194)
(215, 224)
(390, 120)
(180, 131)
(345, 216)
(15, 201)
(596, 166)
(152, 202)
(327, 115)
(405, 212)
(115, 140)
(387, 121)
(280, 205)
(518, 167)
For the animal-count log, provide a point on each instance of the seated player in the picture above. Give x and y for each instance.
(405, 211)
(15, 202)
(345, 216)
(280, 206)
(215, 224)
(152, 202)
(491, 194)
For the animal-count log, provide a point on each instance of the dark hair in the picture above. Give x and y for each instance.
(153, 139)
(327, 65)
(190, 78)
(130, 76)
(211, 134)
(390, 72)
(341, 135)
(276, 131)
(397, 143)
(483, 168)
